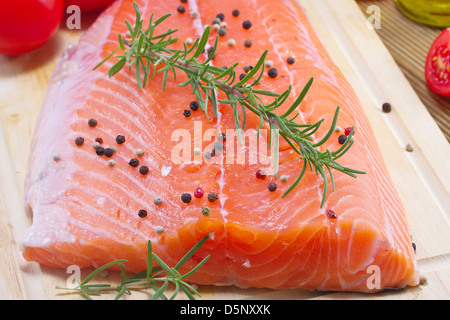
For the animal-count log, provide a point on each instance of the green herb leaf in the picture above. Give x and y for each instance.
(147, 278)
(97, 271)
(207, 80)
(117, 67)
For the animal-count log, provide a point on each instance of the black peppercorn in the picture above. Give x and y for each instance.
(120, 139)
(186, 197)
(242, 76)
(194, 105)
(272, 186)
(342, 138)
(142, 213)
(248, 43)
(134, 162)
(236, 13)
(79, 141)
(181, 9)
(387, 107)
(92, 123)
(100, 151)
(246, 24)
(221, 16)
(143, 170)
(273, 73)
(290, 60)
(187, 113)
(212, 197)
(108, 152)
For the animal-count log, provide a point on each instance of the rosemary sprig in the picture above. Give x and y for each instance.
(149, 53)
(155, 277)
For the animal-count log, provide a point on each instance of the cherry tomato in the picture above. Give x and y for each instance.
(437, 65)
(88, 5)
(26, 25)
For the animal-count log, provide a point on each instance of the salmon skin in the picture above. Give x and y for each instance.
(85, 212)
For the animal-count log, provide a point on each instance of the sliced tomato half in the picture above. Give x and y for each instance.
(437, 65)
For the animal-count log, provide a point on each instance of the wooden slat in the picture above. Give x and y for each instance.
(409, 42)
(19, 279)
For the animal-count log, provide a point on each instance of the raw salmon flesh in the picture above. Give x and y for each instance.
(85, 212)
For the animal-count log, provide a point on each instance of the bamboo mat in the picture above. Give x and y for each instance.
(408, 42)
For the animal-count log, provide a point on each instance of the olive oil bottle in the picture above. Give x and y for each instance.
(434, 13)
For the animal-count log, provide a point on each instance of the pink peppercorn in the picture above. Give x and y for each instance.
(198, 193)
(348, 130)
(99, 140)
(331, 214)
(261, 174)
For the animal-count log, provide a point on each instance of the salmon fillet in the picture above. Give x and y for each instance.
(86, 212)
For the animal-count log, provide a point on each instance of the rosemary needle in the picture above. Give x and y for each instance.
(153, 276)
(150, 53)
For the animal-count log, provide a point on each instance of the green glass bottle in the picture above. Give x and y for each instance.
(434, 13)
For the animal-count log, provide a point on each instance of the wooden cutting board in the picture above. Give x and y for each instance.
(409, 42)
(422, 177)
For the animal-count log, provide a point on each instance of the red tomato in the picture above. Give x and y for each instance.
(437, 65)
(88, 5)
(26, 25)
